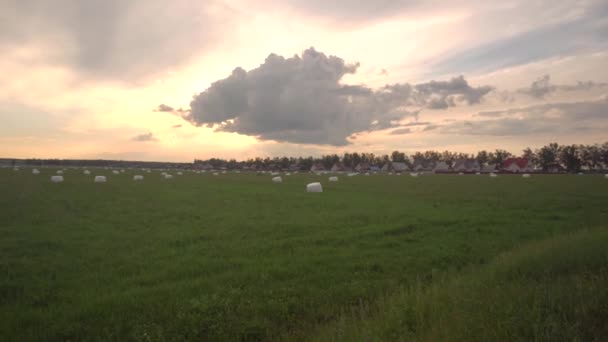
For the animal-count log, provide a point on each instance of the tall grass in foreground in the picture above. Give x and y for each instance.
(551, 290)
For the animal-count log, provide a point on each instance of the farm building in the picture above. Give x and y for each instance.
(397, 167)
(338, 167)
(466, 165)
(517, 165)
(362, 167)
(317, 167)
(555, 168)
(441, 167)
(420, 166)
(488, 168)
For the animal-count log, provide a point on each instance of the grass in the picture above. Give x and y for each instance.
(236, 257)
(552, 290)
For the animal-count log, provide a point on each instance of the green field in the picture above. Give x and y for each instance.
(236, 257)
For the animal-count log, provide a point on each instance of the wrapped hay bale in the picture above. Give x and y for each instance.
(86, 172)
(277, 179)
(138, 178)
(526, 175)
(56, 179)
(168, 176)
(493, 175)
(314, 187)
(59, 172)
(35, 172)
(333, 179)
(180, 173)
(115, 172)
(216, 174)
(414, 174)
(100, 179)
(352, 174)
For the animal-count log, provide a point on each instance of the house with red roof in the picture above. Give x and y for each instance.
(516, 165)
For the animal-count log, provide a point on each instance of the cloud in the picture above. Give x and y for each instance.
(415, 123)
(543, 87)
(444, 94)
(554, 118)
(145, 137)
(164, 108)
(564, 30)
(302, 100)
(430, 127)
(401, 131)
(112, 39)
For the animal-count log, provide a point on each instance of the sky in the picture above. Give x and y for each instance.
(178, 80)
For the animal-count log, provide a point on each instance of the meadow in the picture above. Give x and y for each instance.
(236, 257)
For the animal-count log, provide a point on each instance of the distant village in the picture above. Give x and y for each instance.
(552, 158)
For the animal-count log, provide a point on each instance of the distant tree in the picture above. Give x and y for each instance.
(482, 157)
(569, 158)
(604, 154)
(547, 155)
(397, 156)
(498, 156)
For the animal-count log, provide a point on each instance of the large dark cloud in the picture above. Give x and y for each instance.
(301, 100)
(543, 87)
(554, 118)
(111, 39)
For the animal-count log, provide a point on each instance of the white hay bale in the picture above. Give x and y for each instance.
(606, 175)
(16, 169)
(580, 173)
(477, 173)
(277, 179)
(180, 173)
(288, 174)
(223, 172)
(314, 187)
(138, 178)
(493, 175)
(59, 172)
(86, 172)
(100, 179)
(216, 174)
(148, 171)
(352, 174)
(414, 174)
(115, 172)
(35, 172)
(275, 173)
(526, 175)
(56, 179)
(168, 176)
(122, 171)
(333, 179)
(460, 174)
(367, 174)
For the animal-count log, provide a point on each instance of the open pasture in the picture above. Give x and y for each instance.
(238, 257)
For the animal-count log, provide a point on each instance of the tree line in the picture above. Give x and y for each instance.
(570, 158)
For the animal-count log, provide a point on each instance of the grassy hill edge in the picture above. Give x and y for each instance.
(554, 289)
